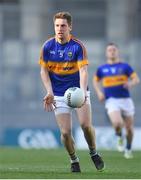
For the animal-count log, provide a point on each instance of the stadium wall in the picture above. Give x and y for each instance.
(50, 138)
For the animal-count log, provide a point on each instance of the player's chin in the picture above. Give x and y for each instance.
(60, 36)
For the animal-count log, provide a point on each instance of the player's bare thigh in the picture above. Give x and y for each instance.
(84, 113)
(116, 118)
(63, 114)
(64, 122)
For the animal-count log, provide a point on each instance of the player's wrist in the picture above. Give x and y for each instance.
(49, 92)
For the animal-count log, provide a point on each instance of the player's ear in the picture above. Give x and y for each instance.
(70, 27)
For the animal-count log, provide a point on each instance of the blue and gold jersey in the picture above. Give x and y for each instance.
(113, 77)
(63, 62)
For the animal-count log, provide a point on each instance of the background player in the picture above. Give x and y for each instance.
(64, 64)
(117, 78)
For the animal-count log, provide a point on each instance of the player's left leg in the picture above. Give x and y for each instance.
(128, 112)
(129, 136)
(84, 116)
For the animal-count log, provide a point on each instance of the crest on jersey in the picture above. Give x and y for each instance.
(120, 70)
(69, 54)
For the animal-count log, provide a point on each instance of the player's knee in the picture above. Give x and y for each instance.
(129, 129)
(65, 135)
(117, 125)
(86, 128)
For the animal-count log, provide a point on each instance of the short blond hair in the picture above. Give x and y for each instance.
(63, 15)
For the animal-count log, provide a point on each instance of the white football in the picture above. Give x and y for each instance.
(74, 97)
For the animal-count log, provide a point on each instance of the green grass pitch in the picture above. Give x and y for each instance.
(17, 163)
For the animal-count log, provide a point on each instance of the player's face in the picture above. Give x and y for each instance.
(62, 29)
(112, 52)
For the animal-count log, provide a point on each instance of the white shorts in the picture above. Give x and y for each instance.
(125, 105)
(62, 107)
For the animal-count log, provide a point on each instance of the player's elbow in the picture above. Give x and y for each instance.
(137, 80)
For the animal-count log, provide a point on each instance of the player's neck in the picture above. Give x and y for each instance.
(63, 40)
(113, 60)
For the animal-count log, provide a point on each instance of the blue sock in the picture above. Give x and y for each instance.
(128, 146)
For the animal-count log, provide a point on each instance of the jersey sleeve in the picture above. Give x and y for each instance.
(98, 75)
(130, 72)
(82, 58)
(42, 59)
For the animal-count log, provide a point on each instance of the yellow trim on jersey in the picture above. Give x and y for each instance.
(63, 67)
(114, 80)
(82, 63)
(96, 78)
(43, 63)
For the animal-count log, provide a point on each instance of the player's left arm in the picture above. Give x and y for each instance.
(83, 72)
(133, 78)
(83, 67)
(133, 81)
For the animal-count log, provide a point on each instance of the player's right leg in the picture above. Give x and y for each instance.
(64, 123)
(116, 119)
(63, 118)
(117, 123)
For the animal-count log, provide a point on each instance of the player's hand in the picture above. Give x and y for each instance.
(101, 97)
(48, 102)
(127, 85)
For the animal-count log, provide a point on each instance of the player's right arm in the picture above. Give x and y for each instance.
(48, 100)
(98, 88)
